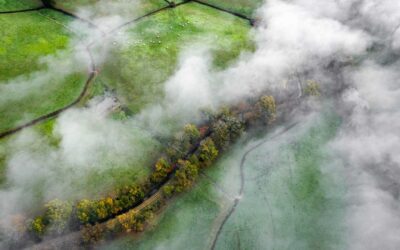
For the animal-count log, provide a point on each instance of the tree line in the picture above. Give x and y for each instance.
(192, 150)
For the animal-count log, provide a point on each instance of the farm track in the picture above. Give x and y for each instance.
(93, 67)
(243, 181)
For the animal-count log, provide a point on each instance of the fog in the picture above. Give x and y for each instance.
(349, 47)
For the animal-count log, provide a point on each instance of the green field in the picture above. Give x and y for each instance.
(137, 68)
(35, 77)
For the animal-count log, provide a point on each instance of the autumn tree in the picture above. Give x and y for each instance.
(266, 109)
(161, 171)
(37, 226)
(57, 215)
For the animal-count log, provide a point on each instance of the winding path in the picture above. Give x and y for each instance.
(243, 180)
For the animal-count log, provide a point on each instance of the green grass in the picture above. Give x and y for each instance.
(11, 5)
(31, 37)
(33, 94)
(138, 67)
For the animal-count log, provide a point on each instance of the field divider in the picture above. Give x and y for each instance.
(22, 11)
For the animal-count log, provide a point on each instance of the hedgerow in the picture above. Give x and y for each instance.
(189, 152)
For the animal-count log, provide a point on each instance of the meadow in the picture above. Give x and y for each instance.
(138, 67)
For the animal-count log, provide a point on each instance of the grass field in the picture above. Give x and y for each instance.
(138, 67)
(34, 77)
(32, 36)
(11, 5)
(290, 200)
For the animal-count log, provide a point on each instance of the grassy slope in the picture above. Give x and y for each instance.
(290, 202)
(10, 5)
(34, 36)
(138, 69)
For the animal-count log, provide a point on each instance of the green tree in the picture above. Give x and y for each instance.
(226, 128)
(185, 175)
(191, 132)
